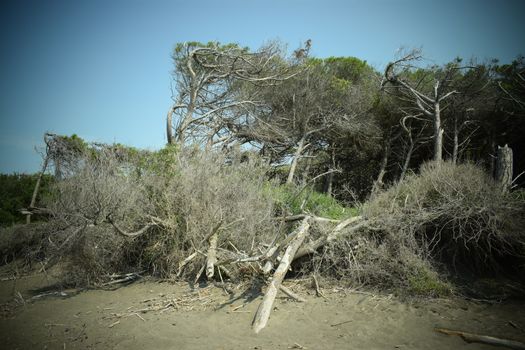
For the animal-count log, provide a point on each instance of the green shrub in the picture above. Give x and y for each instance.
(292, 200)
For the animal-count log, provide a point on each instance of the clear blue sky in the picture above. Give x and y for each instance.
(101, 69)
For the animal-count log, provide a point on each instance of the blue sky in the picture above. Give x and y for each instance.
(101, 69)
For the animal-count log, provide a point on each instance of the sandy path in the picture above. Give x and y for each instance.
(365, 321)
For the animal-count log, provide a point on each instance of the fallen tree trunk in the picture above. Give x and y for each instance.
(312, 247)
(263, 312)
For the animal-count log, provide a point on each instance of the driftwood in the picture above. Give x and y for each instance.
(265, 308)
(484, 339)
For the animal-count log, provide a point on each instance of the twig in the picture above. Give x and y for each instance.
(317, 289)
(291, 294)
(114, 324)
(340, 323)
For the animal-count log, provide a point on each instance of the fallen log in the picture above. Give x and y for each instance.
(312, 247)
(484, 339)
(263, 312)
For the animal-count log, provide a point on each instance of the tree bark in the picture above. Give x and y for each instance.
(263, 312)
(504, 167)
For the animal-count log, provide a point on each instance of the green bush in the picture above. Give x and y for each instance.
(291, 200)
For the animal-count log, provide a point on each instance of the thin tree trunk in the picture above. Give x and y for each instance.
(406, 164)
(504, 168)
(37, 187)
(384, 162)
(329, 184)
(329, 180)
(306, 172)
(438, 134)
(295, 159)
(169, 127)
(455, 150)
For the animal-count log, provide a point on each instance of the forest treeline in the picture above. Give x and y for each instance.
(395, 180)
(342, 116)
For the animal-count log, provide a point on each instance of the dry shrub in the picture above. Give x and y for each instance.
(103, 186)
(212, 191)
(380, 260)
(186, 194)
(25, 242)
(456, 212)
(445, 216)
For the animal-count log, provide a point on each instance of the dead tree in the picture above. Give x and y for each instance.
(208, 82)
(429, 103)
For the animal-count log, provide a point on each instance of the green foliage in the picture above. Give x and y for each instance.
(15, 193)
(351, 69)
(292, 200)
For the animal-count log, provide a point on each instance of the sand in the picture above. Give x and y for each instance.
(210, 318)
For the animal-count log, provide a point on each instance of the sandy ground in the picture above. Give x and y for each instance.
(153, 315)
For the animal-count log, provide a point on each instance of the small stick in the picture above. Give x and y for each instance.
(114, 324)
(340, 323)
(238, 307)
(317, 289)
(136, 314)
(291, 294)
